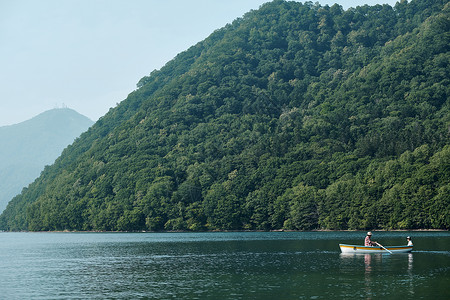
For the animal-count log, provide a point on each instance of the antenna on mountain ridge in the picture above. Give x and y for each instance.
(63, 105)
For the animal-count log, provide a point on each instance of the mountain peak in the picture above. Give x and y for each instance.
(30, 145)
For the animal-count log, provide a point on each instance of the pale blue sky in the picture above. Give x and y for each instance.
(89, 54)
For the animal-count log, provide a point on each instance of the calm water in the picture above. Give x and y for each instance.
(277, 265)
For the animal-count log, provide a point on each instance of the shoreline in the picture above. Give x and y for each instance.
(217, 231)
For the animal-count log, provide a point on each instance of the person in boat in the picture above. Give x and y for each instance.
(368, 241)
(410, 243)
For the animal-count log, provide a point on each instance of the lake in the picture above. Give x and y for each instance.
(225, 265)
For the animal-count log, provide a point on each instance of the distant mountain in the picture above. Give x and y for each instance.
(296, 116)
(28, 146)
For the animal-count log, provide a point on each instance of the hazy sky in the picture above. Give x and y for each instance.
(88, 55)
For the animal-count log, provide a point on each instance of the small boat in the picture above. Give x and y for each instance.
(374, 249)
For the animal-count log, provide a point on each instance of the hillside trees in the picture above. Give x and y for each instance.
(296, 116)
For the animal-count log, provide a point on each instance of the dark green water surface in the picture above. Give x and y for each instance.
(237, 265)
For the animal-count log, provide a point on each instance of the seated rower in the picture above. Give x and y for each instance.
(368, 241)
(410, 243)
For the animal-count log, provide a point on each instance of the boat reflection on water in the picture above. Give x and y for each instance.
(410, 262)
(368, 263)
(410, 274)
(367, 277)
(379, 270)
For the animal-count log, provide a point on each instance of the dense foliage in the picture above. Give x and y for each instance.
(296, 116)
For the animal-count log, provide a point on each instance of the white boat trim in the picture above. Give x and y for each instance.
(374, 249)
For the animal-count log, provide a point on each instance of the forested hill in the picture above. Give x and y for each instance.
(30, 145)
(295, 116)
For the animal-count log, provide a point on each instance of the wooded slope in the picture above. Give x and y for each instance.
(296, 116)
(30, 145)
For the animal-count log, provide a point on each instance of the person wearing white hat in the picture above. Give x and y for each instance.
(410, 243)
(368, 241)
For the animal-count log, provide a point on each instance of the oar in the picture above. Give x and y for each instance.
(384, 248)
